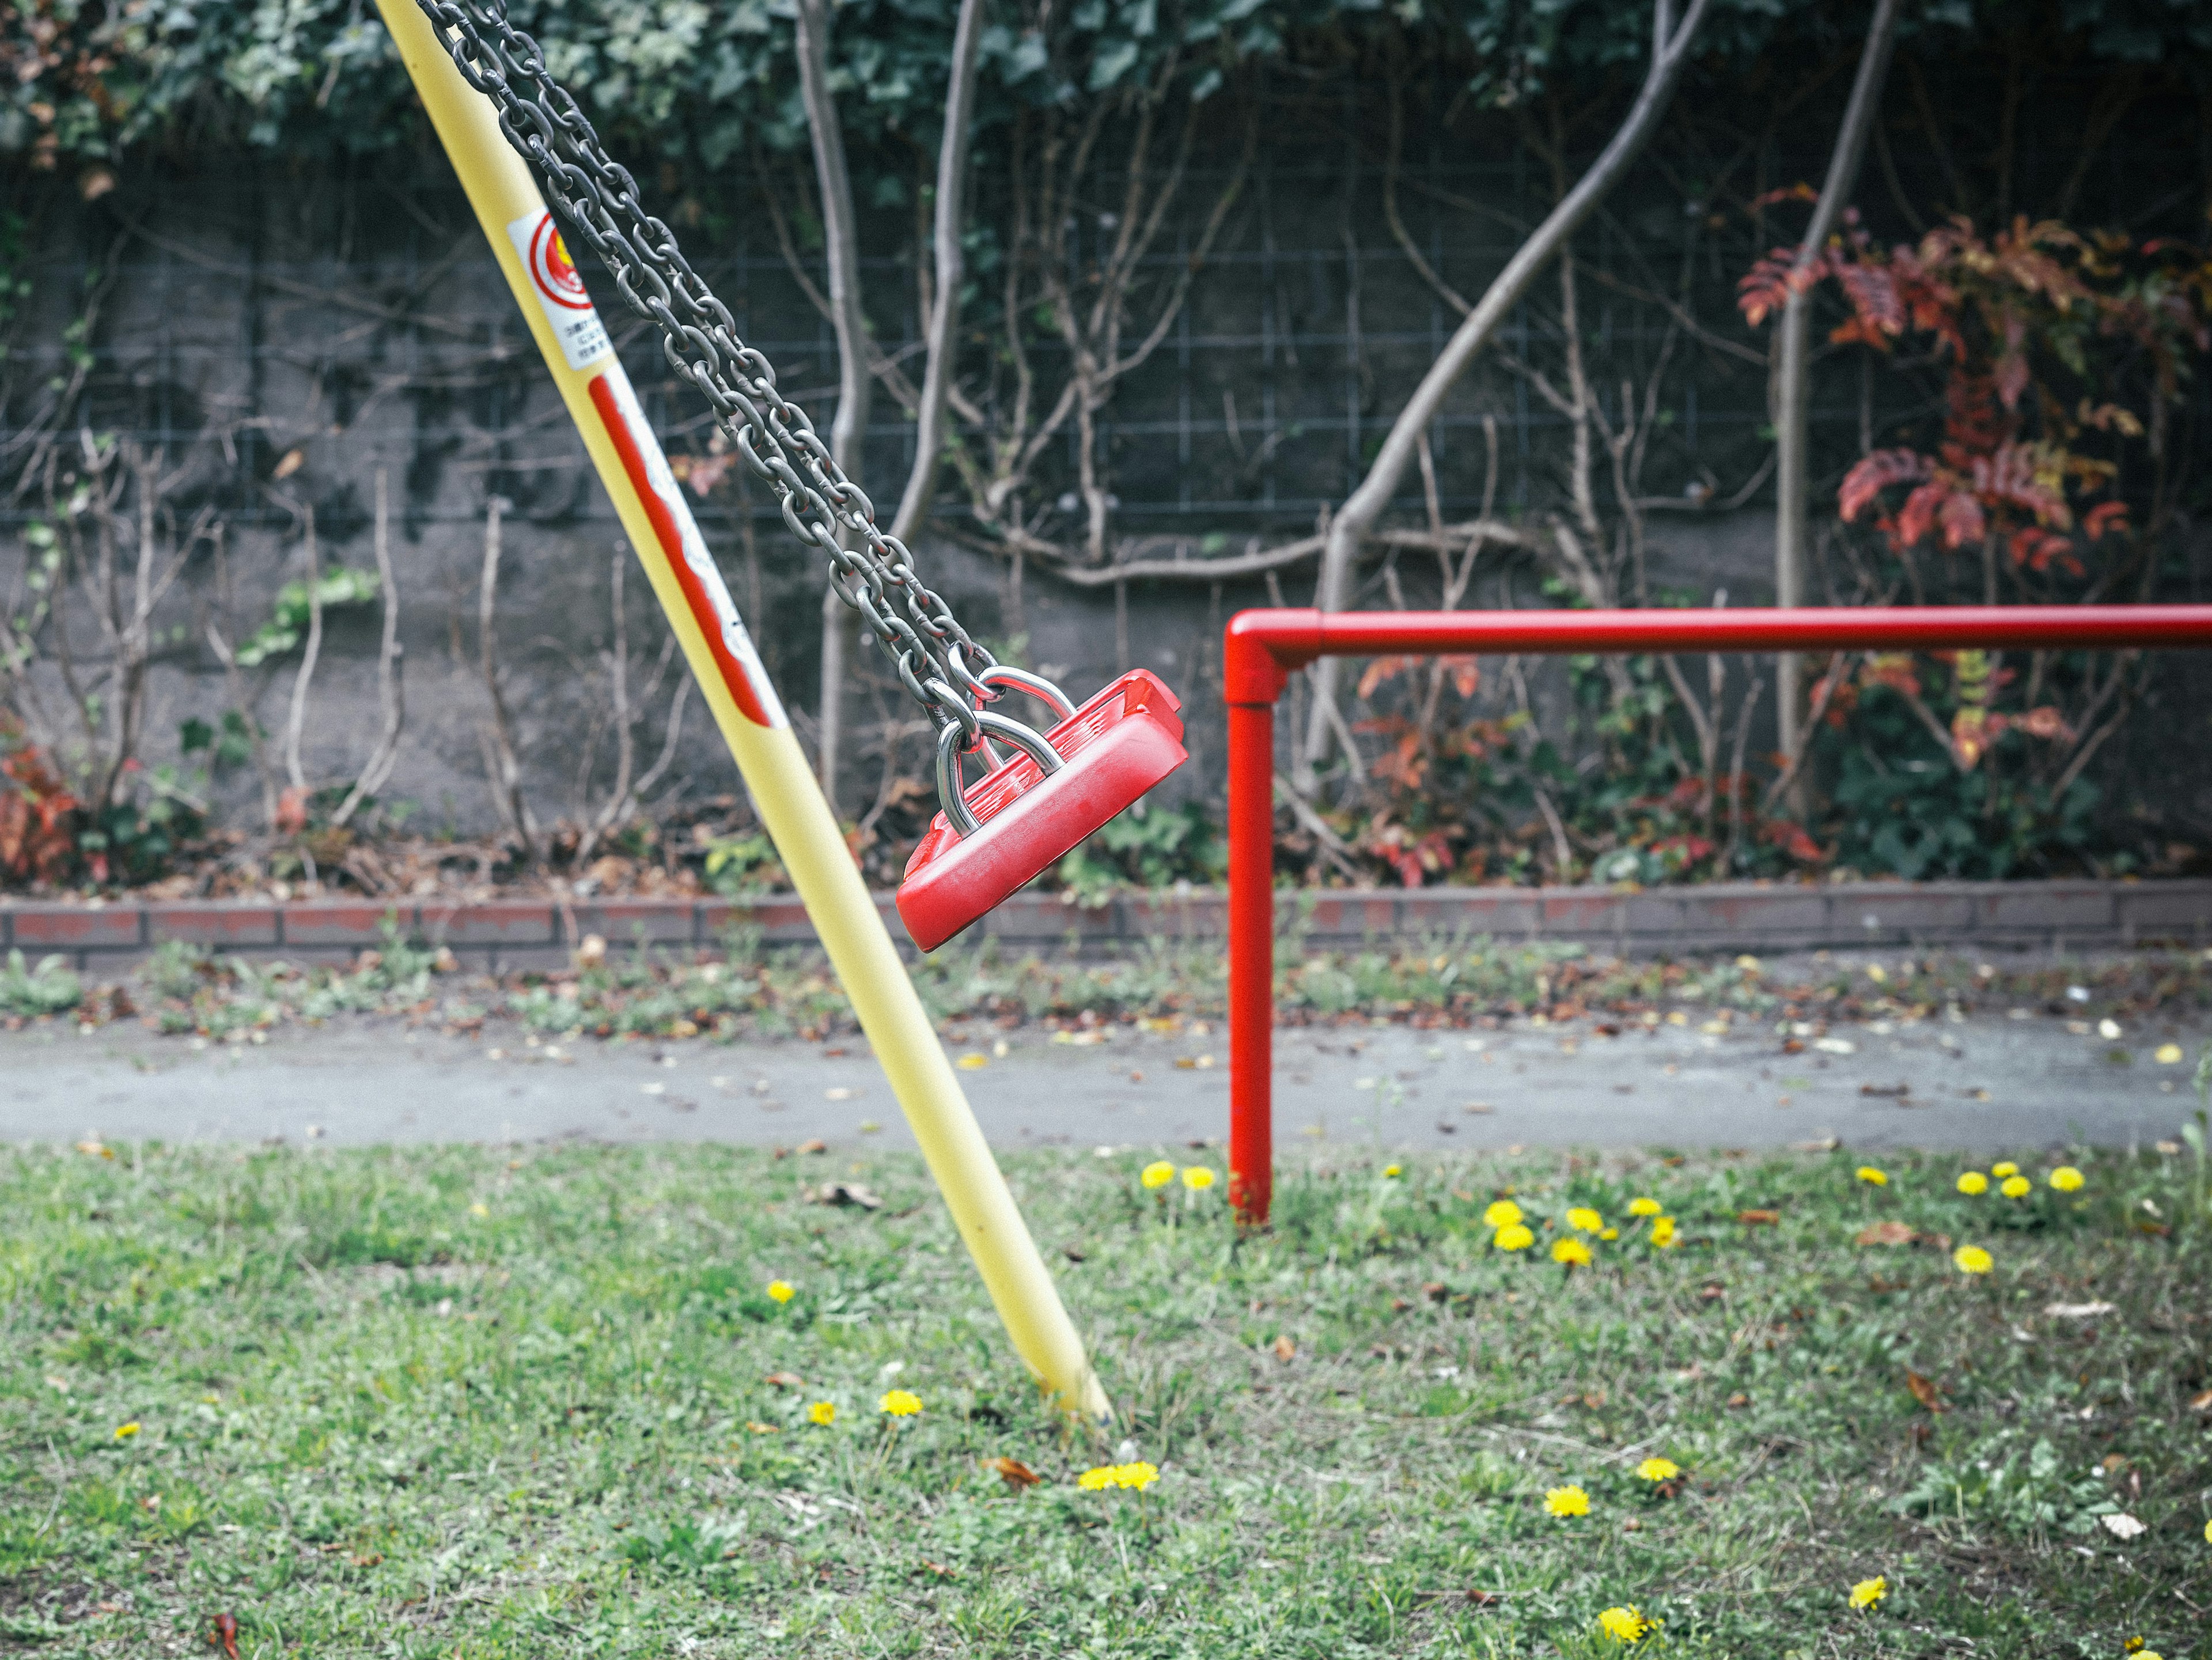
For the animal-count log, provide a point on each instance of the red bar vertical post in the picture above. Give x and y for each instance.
(1251, 959)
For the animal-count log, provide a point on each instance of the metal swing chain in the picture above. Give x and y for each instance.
(932, 652)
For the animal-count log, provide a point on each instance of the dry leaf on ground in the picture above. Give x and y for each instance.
(1891, 1232)
(1014, 1473)
(1925, 1391)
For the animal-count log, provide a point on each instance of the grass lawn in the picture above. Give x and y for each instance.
(536, 1401)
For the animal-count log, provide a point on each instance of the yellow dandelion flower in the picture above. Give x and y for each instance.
(900, 1403)
(2003, 1167)
(1582, 1217)
(2066, 1179)
(2208, 1533)
(1502, 1214)
(1609, 1233)
(1566, 1501)
(1873, 1177)
(125, 1431)
(1973, 1259)
(1391, 1172)
(1514, 1237)
(1136, 1477)
(1658, 1469)
(1662, 1231)
(1197, 1177)
(2149, 1653)
(1644, 1207)
(1973, 1184)
(2017, 1187)
(1625, 1624)
(1868, 1592)
(1157, 1175)
(823, 1413)
(782, 1290)
(2169, 1055)
(1572, 1252)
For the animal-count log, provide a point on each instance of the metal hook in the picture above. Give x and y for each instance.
(1036, 685)
(952, 794)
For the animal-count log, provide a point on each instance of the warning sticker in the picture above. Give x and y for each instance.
(561, 293)
(685, 549)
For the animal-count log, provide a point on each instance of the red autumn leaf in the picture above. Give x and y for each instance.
(1793, 840)
(1876, 307)
(1893, 669)
(1918, 516)
(1464, 673)
(225, 1635)
(1964, 522)
(1383, 670)
(2105, 518)
(1867, 480)
(2033, 548)
(1800, 191)
(2020, 476)
(1925, 1391)
(1766, 287)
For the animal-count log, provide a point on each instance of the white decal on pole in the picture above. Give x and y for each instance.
(561, 293)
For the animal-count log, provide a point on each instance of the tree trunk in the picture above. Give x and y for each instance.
(855, 384)
(1792, 384)
(1670, 52)
(951, 270)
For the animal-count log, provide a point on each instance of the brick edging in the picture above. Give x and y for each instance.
(512, 933)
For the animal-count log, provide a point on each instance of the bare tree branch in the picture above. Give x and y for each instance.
(1670, 53)
(391, 692)
(297, 722)
(1793, 388)
(502, 769)
(949, 222)
(848, 430)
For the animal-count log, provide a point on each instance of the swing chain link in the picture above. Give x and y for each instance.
(932, 653)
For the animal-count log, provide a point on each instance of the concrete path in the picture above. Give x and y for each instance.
(1986, 1083)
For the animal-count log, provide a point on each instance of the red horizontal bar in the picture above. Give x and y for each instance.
(1264, 645)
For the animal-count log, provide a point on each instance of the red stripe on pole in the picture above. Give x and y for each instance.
(664, 528)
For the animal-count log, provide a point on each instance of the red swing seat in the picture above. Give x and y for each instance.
(1116, 746)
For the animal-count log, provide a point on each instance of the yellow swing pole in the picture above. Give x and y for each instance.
(651, 506)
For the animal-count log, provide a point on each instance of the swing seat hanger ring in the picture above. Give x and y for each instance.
(1031, 810)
